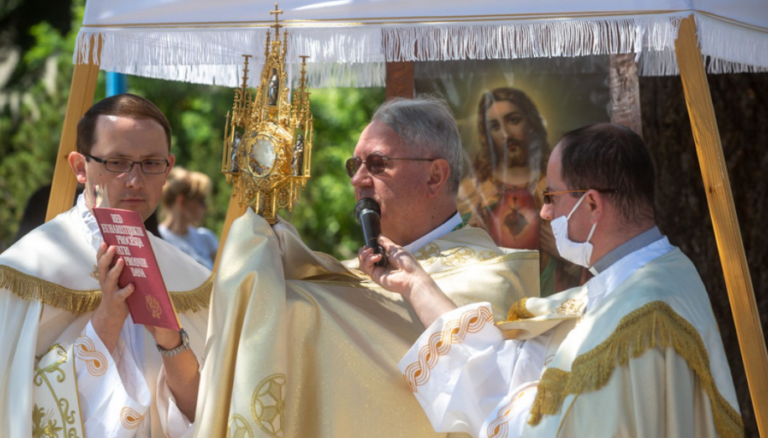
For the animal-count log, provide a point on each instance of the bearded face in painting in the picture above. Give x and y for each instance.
(511, 132)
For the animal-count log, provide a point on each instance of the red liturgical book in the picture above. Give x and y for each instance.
(150, 303)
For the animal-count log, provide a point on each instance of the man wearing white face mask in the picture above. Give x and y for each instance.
(634, 352)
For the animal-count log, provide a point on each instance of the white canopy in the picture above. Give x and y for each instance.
(349, 41)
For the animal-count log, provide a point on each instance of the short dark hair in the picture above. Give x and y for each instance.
(486, 159)
(120, 105)
(611, 157)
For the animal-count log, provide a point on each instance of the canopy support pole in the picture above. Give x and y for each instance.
(234, 211)
(81, 92)
(724, 221)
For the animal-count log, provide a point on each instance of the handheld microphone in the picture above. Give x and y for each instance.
(368, 213)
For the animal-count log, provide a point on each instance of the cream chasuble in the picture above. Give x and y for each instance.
(643, 359)
(302, 345)
(48, 292)
(646, 361)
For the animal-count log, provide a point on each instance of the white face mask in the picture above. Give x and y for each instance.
(574, 252)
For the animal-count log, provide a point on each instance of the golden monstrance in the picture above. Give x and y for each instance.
(268, 139)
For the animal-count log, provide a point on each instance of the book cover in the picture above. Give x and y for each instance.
(150, 303)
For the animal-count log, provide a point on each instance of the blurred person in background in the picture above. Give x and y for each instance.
(185, 197)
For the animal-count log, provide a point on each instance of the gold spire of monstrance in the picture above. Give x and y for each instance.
(268, 139)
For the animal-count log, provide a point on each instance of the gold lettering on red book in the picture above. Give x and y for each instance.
(154, 307)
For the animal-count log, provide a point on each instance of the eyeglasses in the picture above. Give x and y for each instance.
(549, 197)
(124, 165)
(375, 163)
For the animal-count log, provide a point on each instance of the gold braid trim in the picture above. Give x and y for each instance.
(652, 325)
(519, 311)
(28, 287)
(439, 344)
(193, 300)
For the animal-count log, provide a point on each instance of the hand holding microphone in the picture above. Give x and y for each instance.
(368, 213)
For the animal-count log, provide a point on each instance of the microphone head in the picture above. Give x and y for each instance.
(366, 204)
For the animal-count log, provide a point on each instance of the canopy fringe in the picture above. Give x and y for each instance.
(537, 39)
(731, 49)
(355, 56)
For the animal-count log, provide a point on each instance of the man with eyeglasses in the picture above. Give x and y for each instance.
(311, 341)
(634, 352)
(74, 362)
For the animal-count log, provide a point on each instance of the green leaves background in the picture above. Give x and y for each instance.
(33, 103)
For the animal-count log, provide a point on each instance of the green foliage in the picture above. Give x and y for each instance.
(197, 115)
(29, 140)
(324, 214)
(31, 118)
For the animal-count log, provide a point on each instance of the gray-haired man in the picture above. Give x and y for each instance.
(409, 160)
(340, 334)
(634, 352)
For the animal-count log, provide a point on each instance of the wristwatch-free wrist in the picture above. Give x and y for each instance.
(173, 352)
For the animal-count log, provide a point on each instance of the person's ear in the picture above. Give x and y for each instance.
(596, 203)
(172, 161)
(439, 172)
(77, 163)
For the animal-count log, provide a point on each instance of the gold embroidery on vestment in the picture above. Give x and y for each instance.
(129, 418)
(28, 287)
(238, 427)
(458, 256)
(486, 255)
(268, 405)
(439, 344)
(43, 426)
(450, 257)
(498, 427)
(428, 255)
(653, 325)
(519, 311)
(67, 417)
(570, 307)
(95, 361)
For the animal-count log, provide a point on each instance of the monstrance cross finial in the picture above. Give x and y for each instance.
(277, 25)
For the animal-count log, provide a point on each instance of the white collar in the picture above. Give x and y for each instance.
(91, 227)
(608, 280)
(435, 234)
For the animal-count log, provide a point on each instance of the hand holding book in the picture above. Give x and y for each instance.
(112, 310)
(130, 250)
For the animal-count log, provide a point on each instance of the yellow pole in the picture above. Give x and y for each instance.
(234, 211)
(724, 221)
(81, 94)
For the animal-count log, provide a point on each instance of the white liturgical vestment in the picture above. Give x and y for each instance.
(58, 377)
(303, 345)
(634, 352)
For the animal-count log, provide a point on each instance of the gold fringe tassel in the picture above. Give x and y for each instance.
(195, 299)
(31, 288)
(654, 324)
(519, 311)
(28, 287)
